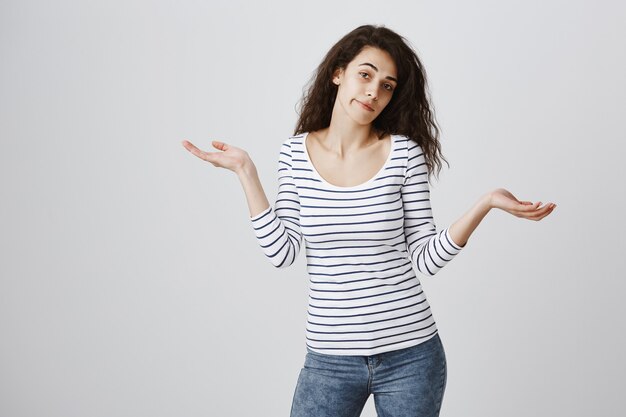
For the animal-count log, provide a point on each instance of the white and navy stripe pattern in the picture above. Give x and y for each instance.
(363, 246)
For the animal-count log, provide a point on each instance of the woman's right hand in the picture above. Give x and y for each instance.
(230, 157)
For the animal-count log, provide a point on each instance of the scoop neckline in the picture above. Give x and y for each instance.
(352, 187)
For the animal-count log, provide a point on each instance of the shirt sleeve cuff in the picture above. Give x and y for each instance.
(262, 214)
(452, 242)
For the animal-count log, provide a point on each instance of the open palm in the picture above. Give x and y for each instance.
(230, 157)
(504, 200)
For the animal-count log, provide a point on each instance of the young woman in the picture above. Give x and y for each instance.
(354, 184)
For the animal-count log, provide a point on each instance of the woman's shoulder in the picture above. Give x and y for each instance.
(292, 144)
(411, 146)
(293, 141)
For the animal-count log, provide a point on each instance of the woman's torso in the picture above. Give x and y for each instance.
(364, 295)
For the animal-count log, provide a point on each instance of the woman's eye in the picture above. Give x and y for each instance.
(388, 87)
(364, 74)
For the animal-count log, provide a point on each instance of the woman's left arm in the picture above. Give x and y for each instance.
(461, 230)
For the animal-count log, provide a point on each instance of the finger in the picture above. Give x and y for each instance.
(220, 145)
(547, 206)
(531, 211)
(206, 156)
(197, 152)
(185, 143)
(544, 214)
(190, 146)
(541, 213)
(528, 208)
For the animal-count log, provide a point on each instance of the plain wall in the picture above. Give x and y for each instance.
(131, 283)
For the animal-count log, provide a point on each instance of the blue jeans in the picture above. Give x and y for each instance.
(405, 382)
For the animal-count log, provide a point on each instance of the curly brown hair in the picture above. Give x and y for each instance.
(409, 111)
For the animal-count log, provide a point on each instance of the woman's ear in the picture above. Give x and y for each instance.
(337, 75)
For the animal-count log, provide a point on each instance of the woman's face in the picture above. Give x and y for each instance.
(366, 85)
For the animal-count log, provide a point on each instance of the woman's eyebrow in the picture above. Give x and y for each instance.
(376, 69)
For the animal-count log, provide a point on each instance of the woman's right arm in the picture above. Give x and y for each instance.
(277, 230)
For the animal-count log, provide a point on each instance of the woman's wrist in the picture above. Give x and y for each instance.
(487, 201)
(246, 170)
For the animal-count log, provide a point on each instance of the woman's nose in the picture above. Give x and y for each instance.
(373, 93)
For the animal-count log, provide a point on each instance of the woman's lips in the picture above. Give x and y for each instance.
(365, 106)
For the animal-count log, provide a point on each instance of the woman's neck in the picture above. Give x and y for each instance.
(343, 138)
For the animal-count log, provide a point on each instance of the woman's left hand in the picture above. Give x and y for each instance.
(504, 200)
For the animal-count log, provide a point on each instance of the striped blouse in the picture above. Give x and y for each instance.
(363, 246)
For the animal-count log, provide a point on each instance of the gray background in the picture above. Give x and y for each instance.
(131, 281)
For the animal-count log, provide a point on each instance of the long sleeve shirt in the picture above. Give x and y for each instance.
(364, 245)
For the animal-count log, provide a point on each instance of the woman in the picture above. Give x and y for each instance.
(353, 182)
